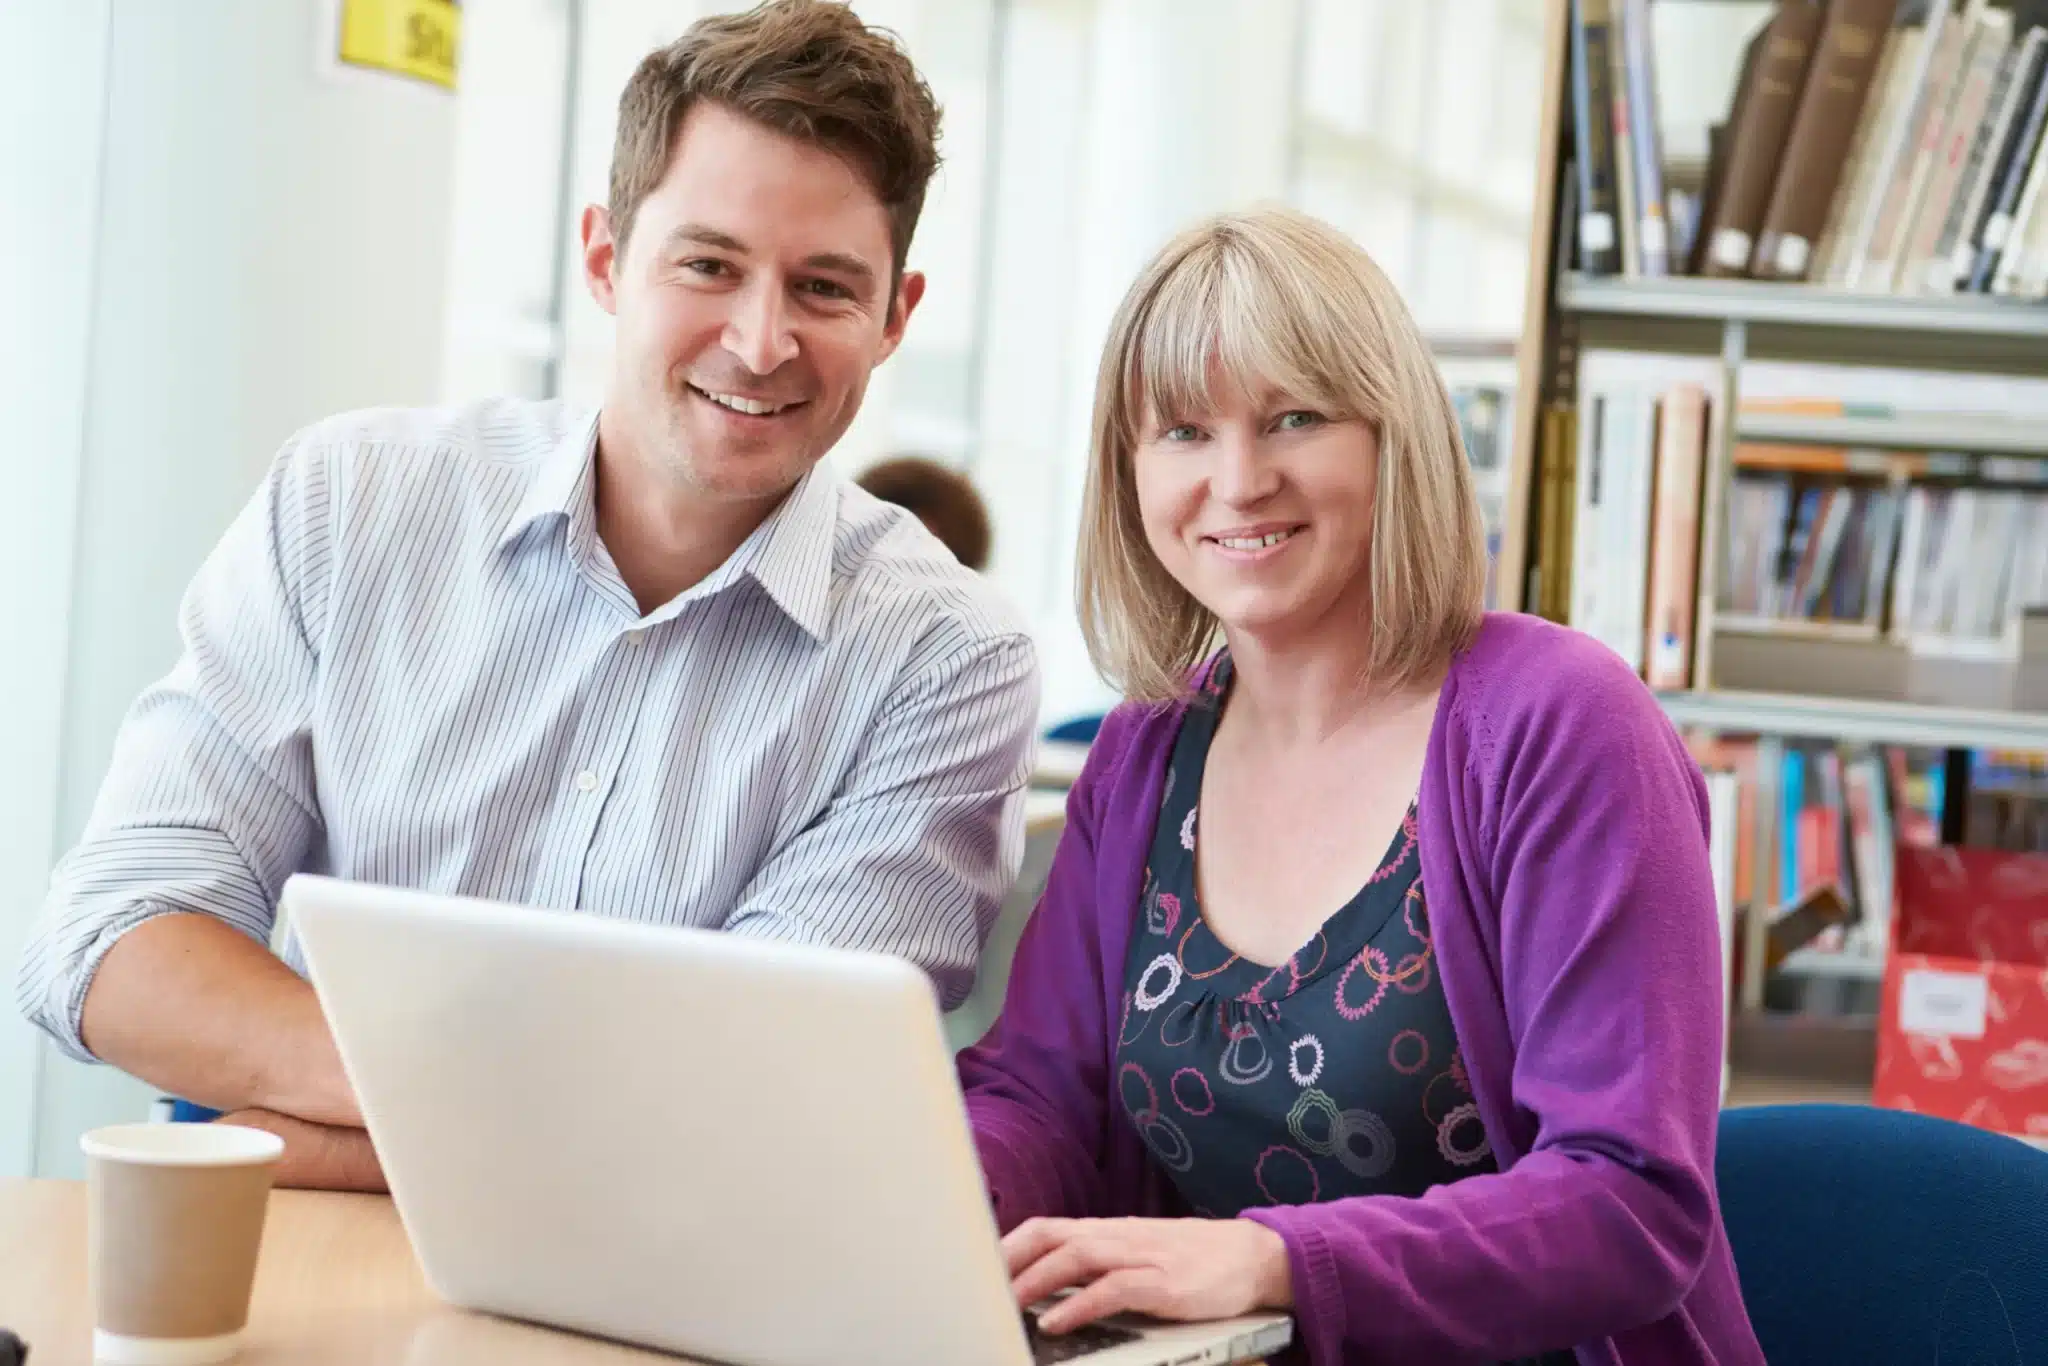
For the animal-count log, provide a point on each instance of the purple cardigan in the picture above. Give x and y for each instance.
(1563, 845)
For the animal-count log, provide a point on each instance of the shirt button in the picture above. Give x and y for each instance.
(636, 636)
(586, 781)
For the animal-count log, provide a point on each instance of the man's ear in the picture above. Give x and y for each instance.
(600, 257)
(908, 291)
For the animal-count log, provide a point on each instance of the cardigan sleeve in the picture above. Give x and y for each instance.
(1590, 842)
(1035, 1086)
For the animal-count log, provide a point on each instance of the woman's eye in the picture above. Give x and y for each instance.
(1186, 431)
(1295, 421)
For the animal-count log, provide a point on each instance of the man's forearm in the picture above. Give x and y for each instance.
(191, 1005)
(317, 1156)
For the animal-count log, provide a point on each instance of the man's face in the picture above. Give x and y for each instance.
(753, 301)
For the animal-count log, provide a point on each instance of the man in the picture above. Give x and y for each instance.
(650, 662)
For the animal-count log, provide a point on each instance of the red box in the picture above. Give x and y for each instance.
(1963, 1031)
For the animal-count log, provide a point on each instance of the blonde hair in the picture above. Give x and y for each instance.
(1274, 297)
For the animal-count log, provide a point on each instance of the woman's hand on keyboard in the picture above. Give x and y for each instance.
(1184, 1269)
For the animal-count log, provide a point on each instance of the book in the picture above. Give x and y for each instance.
(1852, 39)
(1599, 240)
(1891, 144)
(1938, 269)
(1767, 95)
(1653, 229)
(1675, 534)
(2030, 256)
(1992, 157)
(1623, 421)
(1853, 177)
(1622, 138)
(1985, 64)
(2014, 166)
(2013, 256)
(1724, 797)
(1900, 201)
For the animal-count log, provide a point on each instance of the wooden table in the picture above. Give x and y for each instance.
(337, 1283)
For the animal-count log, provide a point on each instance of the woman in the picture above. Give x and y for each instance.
(1377, 976)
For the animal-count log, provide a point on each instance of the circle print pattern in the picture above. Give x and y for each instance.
(1162, 913)
(1314, 1102)
(1377, 1156)
(1173, 1089)
(1151, 1105)
(1415, 973)
(1455, 1137)
(1415, 915)
(1124, 1035)
(1374, 963)
(1411, 1041)
(1301, 1076)
(1235, 1070)
(1166, 1024)
(1168, 1142)
(1280, 1176)
(1147, 997)
(1296, 973)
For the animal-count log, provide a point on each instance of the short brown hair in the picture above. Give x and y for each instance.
(942, 499)
(807, 69)
(1273, 296)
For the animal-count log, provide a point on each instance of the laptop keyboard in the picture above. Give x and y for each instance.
(1048, 1348)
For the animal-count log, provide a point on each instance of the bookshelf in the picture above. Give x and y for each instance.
(1777, 679)
(1861, 721)
(1801, 306)
(1978, 433)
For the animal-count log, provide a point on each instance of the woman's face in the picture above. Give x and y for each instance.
(1262, 509)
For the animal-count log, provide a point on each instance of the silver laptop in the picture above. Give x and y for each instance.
(736, 1150)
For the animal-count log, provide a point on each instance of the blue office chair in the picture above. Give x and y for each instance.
(1078, 731)
(185, 1112)
(1868, 1237)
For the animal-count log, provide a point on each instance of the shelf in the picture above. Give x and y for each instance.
(1884, 723)
(1975, 433)
(1734, 623)
(1844, 964)
(1750, 301)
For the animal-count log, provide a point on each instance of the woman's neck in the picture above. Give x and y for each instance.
(1304, 694)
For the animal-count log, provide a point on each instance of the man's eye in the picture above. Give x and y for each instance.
(828, 289)
(706, 266)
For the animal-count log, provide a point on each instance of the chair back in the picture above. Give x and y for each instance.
(1870, 1237)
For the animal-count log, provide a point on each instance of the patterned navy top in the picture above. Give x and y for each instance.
(1335, 1074)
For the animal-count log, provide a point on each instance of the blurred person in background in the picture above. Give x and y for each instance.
(943, 499)
(652, 661)
(1377, 977)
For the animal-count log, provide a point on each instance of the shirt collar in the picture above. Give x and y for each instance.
(789, 555)
(560, 485)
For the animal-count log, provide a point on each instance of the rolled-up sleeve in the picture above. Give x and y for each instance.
(917, 849)
(209, 803)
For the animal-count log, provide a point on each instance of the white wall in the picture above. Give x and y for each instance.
(509, 127)
(1123, 121)
(1100, 127)
(52, 94)
(270, 246)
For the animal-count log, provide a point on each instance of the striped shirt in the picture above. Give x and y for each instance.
(411, 661)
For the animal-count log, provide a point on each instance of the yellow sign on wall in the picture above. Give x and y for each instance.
(417, 38)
